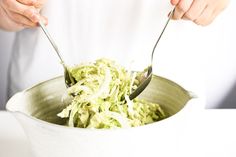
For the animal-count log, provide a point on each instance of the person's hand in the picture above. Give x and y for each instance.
(16, 15)
(201, 12)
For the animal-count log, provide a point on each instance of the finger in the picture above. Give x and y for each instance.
(39, 4)
(204, 17)
(36, 3)
(28, 2)
(195, 10)
(18, 18)
(208, 16)
(29, 12)
(181, 8)
(12, 25)
(174, 2)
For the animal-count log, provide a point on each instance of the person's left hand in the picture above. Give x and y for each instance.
(201, 12)
(16, 15)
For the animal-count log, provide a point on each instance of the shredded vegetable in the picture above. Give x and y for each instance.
(101, 98)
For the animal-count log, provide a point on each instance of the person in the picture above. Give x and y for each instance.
(83, 29)
(19, 14)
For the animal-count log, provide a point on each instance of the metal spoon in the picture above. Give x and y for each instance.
(146, 75)
(69, 79)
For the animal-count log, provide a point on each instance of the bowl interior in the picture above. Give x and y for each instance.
(47, 99)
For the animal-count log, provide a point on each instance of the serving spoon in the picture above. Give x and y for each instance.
(146, 74)
(69, 79)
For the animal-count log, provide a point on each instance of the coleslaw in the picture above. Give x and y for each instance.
(101, 98)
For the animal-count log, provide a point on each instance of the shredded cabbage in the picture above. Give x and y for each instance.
(101, 98)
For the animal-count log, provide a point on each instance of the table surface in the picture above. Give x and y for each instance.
(214, 137)
(13, 141)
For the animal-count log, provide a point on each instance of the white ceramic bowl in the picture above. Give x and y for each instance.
(36, 110)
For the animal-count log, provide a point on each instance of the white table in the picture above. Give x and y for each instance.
(210, 133)
(13, 142)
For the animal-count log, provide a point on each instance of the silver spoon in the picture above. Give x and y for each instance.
(146, 75)
(69, 79)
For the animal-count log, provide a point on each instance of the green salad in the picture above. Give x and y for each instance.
(101, 98)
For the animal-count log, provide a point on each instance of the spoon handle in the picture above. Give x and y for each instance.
(162, 32)
(41, 24)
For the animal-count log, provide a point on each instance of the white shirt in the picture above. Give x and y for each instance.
(123, 30)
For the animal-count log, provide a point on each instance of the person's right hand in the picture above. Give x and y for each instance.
(16, 15)
(201, 12)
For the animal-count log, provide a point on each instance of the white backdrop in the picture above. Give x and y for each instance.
(221, 61)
